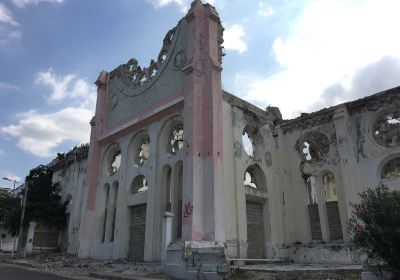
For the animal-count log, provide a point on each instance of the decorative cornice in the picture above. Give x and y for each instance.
(130, 79)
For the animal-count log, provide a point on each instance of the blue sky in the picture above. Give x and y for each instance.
(295, 54)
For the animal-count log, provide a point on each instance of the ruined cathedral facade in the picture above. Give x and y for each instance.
(167, 178)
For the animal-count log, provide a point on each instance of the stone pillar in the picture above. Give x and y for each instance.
(349, 188)
(86, 236)
(29, 238)
(166, 234)
(203, 162)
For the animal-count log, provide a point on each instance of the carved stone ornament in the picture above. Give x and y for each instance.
(387, 129)
(114, 101)
(313, 147)
(179, 60)
(130, 79)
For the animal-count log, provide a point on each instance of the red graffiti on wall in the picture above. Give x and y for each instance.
(188, 210)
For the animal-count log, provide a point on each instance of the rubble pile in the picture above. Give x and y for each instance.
(69, 265)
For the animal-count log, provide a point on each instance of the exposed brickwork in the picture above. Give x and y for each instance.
(315, 223)
(335, 227)
(137, 232)
(255, 230)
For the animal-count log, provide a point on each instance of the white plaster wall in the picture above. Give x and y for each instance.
(152, 169)
(354, 158)
(72, 180)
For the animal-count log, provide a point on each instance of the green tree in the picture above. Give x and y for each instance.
(375, 227)
(10, 212)
(43, 201)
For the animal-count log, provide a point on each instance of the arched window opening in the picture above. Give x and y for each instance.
(387, 129)
(107, 193)
(139, 184)
(144, 151)
(248, 144)
(311, 191)
(112, 160)
(249, 180)
(254, 178)
(139, 149)
(166, 200)
(313, 147)
(313, 211)
(391, 169)
(116, 162)
(176, 139)
(114, 214)
(330, 187)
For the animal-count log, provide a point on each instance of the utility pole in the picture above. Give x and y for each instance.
(21, 225)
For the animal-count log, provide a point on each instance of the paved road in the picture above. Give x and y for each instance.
(12, 272)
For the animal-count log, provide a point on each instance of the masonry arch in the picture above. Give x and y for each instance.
(139, 184)
(386, 127)
(257, 212)
(112, 159)
(252, 141)
(313, 207)
(171, 136)
(254, 177)
(390, 168)
(313, 147)
(105, 195)
(168, 188)
(139, 149)
(113, 209)
(332, 206)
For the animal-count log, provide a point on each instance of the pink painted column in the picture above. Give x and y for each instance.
(93, 166)
(97, 124)
(203, 172)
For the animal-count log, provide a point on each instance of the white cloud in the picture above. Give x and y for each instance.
(183, 5)
(2, 153)
(24, 3)
(323, 49)
(68, 86)
(5, 16)
(8, 86)
(233, 38)
(39, 133)
(265, 10)
(371, 79)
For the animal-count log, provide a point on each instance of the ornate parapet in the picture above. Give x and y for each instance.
(132, 77)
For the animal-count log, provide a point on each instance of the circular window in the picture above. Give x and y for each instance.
(313, 147)
(140, 148)
(175, 142)
(387, 129)
(113, 160)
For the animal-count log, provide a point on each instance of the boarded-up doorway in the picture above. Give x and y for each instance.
(137, 232)
(255, 230)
